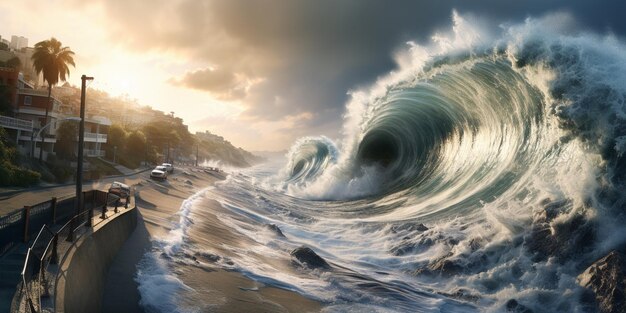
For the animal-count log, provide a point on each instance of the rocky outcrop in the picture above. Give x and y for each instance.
(409, 227)
(560, 239)
(275, 229)
(408, 246)
(606, 278)
(441, 266)
(514, 306)
(306, 257)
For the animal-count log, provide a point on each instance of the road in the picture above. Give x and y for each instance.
(33, 196)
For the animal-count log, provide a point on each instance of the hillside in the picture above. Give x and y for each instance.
(215, 148)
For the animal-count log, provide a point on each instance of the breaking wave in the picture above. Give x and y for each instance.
(486, 167)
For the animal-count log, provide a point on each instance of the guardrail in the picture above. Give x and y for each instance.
(34, 293)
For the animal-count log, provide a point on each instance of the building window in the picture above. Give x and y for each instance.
(28, 100)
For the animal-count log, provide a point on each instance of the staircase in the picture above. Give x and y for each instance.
(10, 274)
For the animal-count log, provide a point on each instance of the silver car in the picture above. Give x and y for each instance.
(169, 167)
(159, 172)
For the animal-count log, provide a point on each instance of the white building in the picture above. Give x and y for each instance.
(18, 42)
(31, 109)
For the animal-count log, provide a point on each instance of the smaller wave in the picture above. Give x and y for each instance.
(157, 285)
(308, 158)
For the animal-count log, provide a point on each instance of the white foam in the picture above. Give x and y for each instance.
(158, 286)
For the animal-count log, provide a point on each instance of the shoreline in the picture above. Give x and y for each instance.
(159, 204)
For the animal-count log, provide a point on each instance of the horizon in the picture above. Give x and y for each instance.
(260, 82)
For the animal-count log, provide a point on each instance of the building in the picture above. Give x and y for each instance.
(25, 55)
(31, 109)
(18, 42)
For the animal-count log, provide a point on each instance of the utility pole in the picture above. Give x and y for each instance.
(81, 142)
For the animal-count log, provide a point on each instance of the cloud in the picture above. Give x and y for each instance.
(282, 59)
(221, 83)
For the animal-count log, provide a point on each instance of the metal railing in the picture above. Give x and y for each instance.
(34, 294)
(37, 276)
(95, 136)
(16, 123)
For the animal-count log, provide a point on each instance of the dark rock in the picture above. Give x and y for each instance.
(552, 209)
(561, 240)
(606, 278)
(275, 229)
(475, 244)
(410, 227)
(452, 241)
(442, 266)
(208, 257)
(407, 246)
(308, 258)
(445, 267)
(514, 306)
(462, 294)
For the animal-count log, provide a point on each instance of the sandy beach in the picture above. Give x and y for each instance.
(159, 203)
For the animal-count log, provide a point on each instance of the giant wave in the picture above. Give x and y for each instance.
(486, 167)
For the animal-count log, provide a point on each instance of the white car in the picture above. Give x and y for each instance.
(159, 172)
(169, 167)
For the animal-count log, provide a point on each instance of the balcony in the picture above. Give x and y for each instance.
(93, 137)
(16, 123)
(48, 138)
(37, 111)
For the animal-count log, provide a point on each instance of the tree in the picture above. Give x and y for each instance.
(53, 60)
(116, 138)
(135, 147)
(66, 140)
(13, 62)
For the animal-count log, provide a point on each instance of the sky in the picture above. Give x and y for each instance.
(260, 73)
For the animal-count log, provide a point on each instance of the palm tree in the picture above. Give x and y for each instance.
(53, 60)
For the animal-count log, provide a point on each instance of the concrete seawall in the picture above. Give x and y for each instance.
(83, 275)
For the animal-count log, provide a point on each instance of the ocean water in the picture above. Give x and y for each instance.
(487, 167)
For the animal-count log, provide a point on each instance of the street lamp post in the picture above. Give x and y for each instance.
(81, 142)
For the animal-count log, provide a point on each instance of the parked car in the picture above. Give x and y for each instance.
(169, 167)
(119, 189)
(159, 172)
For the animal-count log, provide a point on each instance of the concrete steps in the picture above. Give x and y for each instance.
(11, 266)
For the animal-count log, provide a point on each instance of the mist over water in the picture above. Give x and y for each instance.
(487, 167)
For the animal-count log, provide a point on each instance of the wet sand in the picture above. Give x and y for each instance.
(159, 203)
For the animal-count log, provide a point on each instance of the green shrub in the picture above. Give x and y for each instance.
(11, 175)
(5, 173)
(24, 177)
(62, 173)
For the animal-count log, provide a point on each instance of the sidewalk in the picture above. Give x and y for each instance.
(6, 192)
(15, 198)
(123, 169)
